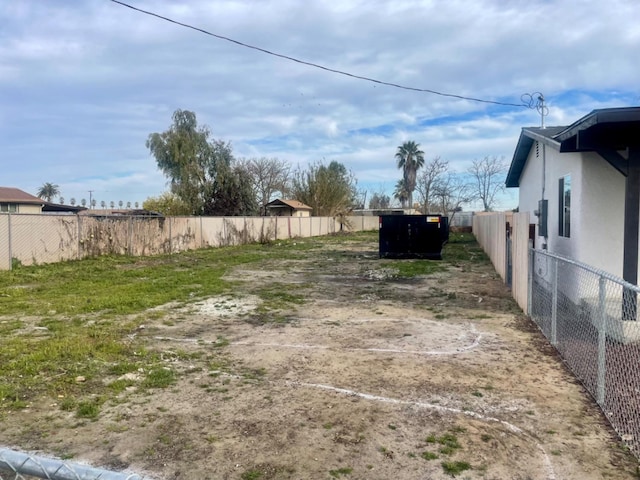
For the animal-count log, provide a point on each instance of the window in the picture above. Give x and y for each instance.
(8, 207)
(564, 201)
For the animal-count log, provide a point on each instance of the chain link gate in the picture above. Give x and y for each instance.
(591, 318)
(16, 465)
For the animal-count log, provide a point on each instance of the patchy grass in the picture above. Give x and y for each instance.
(340, 471)
(455, 468)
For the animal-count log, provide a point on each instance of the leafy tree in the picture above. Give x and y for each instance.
(427, 180)
(329, 189)
(168, 204)
(48, 191)
(72, 201)
(93, 203)
(112, 204)
(269, 176)
(137, 205)
(401, 193)
(488, 179)
(120, 203)
(83, 202)
(129, 205)
(232, 193)
(379, 201)
(103, 204)
(61, 200)
(192, 162)
(410, 158)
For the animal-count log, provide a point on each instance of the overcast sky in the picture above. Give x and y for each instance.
(83, 83)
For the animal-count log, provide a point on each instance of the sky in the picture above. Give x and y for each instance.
(84, 83)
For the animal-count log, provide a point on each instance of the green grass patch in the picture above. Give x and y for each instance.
(429, 455)
(455, 468)
(340, 471)
(159, 378)
(414, 268)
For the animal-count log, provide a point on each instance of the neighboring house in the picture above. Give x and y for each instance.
(14, 200)
(587, 177)
(287, 208)
(57, 208)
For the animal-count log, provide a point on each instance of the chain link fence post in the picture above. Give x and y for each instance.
(602, 341)
(554, 303)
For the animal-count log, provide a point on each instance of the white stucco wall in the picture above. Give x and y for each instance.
(602, 215)
(597, 206)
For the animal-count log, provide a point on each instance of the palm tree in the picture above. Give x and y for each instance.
(112, 204)
(401, 194)
(93, 203)
(120, 203)
(137, 204)
(48, 191)
(61, 200)
(103, 204)
(83, 202)
(72, 201)
(129, 205)
(410, 159)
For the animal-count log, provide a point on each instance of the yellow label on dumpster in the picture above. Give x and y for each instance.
(433, 219)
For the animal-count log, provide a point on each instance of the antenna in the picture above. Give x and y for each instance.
(536, 100)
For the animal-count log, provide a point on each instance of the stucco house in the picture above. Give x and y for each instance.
(583, 183)
(287, 208)
(14, 200)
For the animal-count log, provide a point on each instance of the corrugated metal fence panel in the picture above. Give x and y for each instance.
(520, 258)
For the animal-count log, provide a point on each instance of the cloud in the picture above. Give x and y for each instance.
(84, 84)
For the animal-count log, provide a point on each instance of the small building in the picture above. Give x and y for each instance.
(287, 208)
(14, 200)
(582, 181)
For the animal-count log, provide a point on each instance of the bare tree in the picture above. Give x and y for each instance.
(427, 179)
(488, 179)
(269, 176)
(452, 192)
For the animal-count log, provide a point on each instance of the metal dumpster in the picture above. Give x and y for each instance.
(413, 236)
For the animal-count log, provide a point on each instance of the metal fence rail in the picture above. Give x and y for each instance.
(591, 317)
(22, 466)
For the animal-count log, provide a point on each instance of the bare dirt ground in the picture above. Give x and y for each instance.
(370, 377)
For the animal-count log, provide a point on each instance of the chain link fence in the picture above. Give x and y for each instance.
(16, 465)
(591, 317)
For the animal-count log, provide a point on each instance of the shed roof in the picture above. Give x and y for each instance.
(295, 204)
(15, 195)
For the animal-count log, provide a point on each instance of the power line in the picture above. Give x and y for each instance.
(315, 65)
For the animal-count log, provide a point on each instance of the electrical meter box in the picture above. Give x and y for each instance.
(413, 236)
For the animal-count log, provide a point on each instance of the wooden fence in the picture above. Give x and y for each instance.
(508, 249)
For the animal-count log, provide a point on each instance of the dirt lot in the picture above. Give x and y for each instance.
(353, 372)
